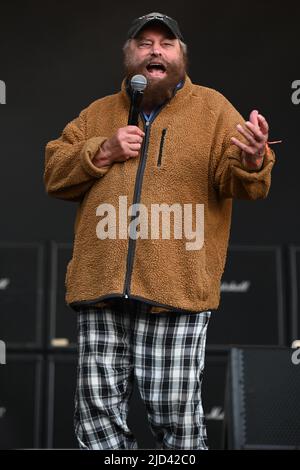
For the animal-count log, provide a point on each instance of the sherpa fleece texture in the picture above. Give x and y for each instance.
(198, 165)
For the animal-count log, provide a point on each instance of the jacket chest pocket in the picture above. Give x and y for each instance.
(161, 147)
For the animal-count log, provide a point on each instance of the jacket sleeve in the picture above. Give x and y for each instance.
(69, 171)
(230, 178)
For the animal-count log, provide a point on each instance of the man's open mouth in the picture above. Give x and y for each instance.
(156, 69)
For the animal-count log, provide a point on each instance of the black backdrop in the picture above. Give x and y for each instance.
(57, 57)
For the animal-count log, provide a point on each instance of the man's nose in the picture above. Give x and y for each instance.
(156, 51)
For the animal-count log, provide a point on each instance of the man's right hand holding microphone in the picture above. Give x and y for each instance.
(124, 144)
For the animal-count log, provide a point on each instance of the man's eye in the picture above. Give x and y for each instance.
(145, 44)
(168, 44)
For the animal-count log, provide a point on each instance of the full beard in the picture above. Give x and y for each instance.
(158, 89)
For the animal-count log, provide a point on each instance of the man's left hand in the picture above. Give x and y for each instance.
(256, 133)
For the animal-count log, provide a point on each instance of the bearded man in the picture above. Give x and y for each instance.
(143, 302)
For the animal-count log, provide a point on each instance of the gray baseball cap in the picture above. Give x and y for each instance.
(156, 17)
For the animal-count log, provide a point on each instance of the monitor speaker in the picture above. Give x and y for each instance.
(262, 399)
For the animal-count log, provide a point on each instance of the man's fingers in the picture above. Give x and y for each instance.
(134, 146)
(249, 136)
(241, 145)
(258, 135)
(135, 130)
(253, 117)
(259, 121)
(134, 139)
(264, 126)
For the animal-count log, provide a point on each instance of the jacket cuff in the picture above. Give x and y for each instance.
(268, 162)
(267, 156)
(89, 150)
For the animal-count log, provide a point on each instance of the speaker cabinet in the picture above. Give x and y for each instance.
(20, 401)
(21, 294)
(251, 308)
(262, 399)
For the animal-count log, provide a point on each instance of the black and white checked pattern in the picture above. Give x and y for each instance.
(164, 353)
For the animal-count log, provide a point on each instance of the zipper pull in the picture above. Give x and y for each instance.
(126, 296)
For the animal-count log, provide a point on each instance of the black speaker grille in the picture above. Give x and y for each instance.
(271, 398)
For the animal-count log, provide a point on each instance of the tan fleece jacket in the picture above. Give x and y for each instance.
(186, 158)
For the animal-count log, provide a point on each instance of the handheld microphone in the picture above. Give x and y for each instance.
(138, 84)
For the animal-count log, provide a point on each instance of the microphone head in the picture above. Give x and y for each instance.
(138, 82)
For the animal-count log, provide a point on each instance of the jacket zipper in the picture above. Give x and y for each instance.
(162, 141)
(136, 198)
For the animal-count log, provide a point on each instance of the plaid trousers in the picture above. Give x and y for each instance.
(163, 352)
